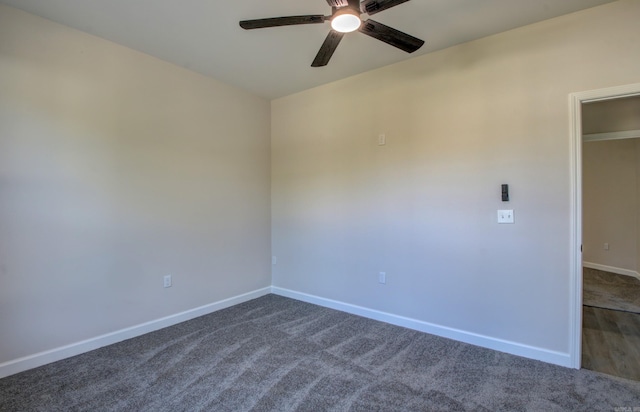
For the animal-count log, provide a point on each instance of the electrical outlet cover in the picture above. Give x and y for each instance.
(505, 216)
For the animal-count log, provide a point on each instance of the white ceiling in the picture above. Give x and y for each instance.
(204, 36)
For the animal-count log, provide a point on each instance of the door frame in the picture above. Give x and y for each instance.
(575, 115)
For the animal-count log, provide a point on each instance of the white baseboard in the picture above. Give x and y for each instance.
(531, 352)
(67, 351)
(611, 269)
(53, 355)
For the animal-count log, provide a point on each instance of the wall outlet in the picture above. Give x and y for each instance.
(167, 281)
(382, 139)
(274, 260)
(606, 246)
(382, 277)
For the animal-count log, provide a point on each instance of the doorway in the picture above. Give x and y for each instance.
(610, 234)
(576, 299)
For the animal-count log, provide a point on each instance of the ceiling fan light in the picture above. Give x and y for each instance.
(346, 21)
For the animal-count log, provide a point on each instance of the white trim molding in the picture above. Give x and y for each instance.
(612, 269)
(558, 358)
(575, 161)
(53, 355)
(595, 137)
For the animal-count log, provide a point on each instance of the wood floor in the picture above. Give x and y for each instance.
(611, 342)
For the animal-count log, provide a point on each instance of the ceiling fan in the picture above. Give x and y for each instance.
(345, 17)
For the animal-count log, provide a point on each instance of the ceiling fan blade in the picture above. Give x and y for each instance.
(391, 36)
(372, 7)
(328, 47)
(338, 3)
(281, 21)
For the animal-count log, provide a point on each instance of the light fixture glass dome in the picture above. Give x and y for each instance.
(346, 20)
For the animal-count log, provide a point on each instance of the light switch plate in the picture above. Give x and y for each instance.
(505, 216)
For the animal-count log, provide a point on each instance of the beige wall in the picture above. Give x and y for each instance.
(638, 205)
(115, 169)
(610, 203)
(459, 123)
(615, 115)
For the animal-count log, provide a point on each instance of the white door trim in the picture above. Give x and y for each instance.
(575, 126)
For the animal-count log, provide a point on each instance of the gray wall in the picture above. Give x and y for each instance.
(116, 169)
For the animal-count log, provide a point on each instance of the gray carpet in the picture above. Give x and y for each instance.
(610, 291)
(279, 354)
